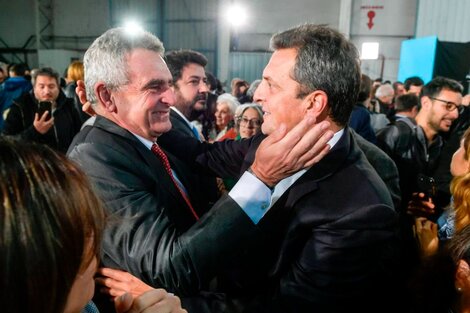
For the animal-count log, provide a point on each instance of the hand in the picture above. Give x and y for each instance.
(153, 301)
(81, 92)
(419, 205)
(426, 234)
(41, 124)
(283, 153)
(466, 100)
(116, 283)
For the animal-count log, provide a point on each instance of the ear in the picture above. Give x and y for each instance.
(462, 274)
(104, 97)
(425, 102)
(317, 103)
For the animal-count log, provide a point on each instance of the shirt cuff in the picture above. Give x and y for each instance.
(252, 195)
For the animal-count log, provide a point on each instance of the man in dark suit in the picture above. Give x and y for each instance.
(153, 231)
(335, 245)
(190, 88)
(329, 239)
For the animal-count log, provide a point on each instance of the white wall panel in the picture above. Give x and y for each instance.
(448, 20)
(247, 65)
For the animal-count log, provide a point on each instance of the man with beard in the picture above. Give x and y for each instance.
(415, 145)
(190, 89)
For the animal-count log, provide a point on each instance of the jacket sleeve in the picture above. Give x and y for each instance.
(223, 159)
(387, 139)
(140, 236)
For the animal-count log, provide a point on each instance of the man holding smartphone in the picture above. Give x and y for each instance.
(44, 115)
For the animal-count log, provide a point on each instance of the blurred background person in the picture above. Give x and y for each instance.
(443, 282)
(52, 224)
(248, 97)
(224, 118)
(239, 88)
(457, 215)
(384, 97)
(248, 120)
(55, 125)
(413, 85)
(12, 88)
(3, 75)
(75, 72)
(398, 88)
(360, 119)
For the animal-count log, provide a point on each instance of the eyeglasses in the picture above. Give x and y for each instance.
(450, 106)
(254, 122)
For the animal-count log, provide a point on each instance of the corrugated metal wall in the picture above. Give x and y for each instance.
(192, 24)
(448, 20)
(247, 65)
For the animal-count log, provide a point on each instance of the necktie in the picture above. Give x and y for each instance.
(166, 164)
(195, 132)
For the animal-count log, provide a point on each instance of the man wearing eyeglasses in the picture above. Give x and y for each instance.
(416, 144)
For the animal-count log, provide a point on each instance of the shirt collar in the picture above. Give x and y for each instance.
(147, 143)
(334, 140)
(182, 116)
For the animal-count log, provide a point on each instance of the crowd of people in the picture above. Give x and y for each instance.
(312, 189)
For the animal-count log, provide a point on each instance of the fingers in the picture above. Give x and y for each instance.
(114, 274)
(112, 287)
(419, 224)
(123, 303)
(320, 147)
(307, 146)
(151, 301)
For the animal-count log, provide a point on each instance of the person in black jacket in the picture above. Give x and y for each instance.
(56, 127)
(153, 233)
(328, 234)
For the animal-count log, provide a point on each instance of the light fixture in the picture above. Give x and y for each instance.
(236, 14)
(370, 51)
(132, 27)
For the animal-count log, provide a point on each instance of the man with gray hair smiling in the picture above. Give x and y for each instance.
(154, 231)
(330, 233)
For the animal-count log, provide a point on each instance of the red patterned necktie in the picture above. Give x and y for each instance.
(166, 164)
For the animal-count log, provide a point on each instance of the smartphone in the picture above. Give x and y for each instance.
(43, 107)
(426, 185)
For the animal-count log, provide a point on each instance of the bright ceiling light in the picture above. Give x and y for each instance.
(370, 51)
(236, 14)
(132, 27)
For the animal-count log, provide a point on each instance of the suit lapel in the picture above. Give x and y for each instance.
(309, 182)
(178, 123)
(159, 172)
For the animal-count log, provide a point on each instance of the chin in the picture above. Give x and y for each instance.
(266, 129)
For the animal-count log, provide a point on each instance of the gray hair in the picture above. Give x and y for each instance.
(254, 85)
(245, 106)
(105, 60)
(384, 91)
(231, 102)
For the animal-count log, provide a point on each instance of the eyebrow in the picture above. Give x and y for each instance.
(156, 83)
(197, 77)
(271, 81)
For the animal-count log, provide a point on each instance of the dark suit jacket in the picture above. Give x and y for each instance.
(202, 188)
(149, 232)
(330, 242)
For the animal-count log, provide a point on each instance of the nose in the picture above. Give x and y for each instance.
(203, 87)
(455, 113)
(168, 97)
(258, 96)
